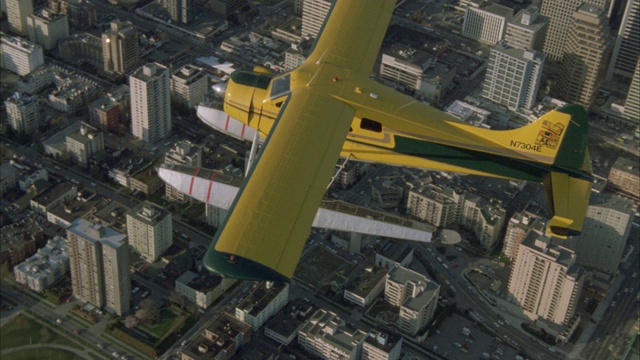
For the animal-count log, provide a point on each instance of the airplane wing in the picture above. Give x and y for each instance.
(218, 189)
(352, 34)
(269, 222)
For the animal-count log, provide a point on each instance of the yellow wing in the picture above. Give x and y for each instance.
(352, 34)
(270, 220)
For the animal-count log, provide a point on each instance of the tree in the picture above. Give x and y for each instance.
(131, 321)
(149, 312)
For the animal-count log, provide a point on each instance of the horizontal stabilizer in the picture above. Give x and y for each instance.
(218, 189)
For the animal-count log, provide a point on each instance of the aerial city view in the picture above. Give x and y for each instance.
(320, 179)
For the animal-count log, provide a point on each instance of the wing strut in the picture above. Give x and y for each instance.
(252, 152)
(340, 167)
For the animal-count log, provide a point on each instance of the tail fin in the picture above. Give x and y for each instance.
(568, 185)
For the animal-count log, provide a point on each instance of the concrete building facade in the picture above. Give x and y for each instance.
(17, 13)
(486, 24)
(23, 113)
(46, 28)
(189, 85)
(150, 103)
(527, 30)
(150, 230)
(120, 48)
(513, 76)
(20, 56)
(84, 143)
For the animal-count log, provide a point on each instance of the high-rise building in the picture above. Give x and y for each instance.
(326, 336)
(120, 48)
(513, 76)
(183, 152)
(631, 110)
(414, 294)
(20, 56)
(215, 215)
(518, 227)
(626, 51)
(150, 103)
(601, 243)
(180, 11)
(84, 143)
(313, 14)
(17, 13)
(436, 205)
(81, 13)
(559, 13)
(23, 112)
(585, 56)
(380, 345)
(189, 85)
(545, 280)
(486, 24)
(99, 260)
(150, 230)
(47, 28)
(527, 30)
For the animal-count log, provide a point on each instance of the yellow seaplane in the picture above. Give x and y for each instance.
(328, 108)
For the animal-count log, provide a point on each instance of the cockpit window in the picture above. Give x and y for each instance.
(280, 86)
(248, 78)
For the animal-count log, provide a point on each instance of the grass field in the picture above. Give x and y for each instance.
(22, 330)
(43, 353)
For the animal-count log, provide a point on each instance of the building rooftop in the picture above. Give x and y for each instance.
(98, 233)
(428, 289)
(219, 335)
(529, 19)
(626, 165)
(54, 193)
(395, 249)
(383, 340)
(148, 213)
(16, 42)
(366, 280)
(498, 10)
(71, 210)
(328, 326)
(14, 236)
(262, 296)
(201, 282)
(544, 246)
(103, 103)
(291, 318)
(149, 71)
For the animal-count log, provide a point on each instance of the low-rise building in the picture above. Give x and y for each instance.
(84, 143)
(25, 181)
(265, 301)
(366, 286)
(393, 252)
(46, 201)
(20, 240)
(8, 177)
(625, 175)
(285, 325)
(202, 288)
(484, 217)
(44, 268)
(221, 340)
(382, 345)
(326, 335)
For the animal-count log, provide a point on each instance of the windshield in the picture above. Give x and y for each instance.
(279, 86)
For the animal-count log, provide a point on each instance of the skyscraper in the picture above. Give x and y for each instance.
(632, 104)
(313, 14)
(486, 24)
(17, 13)
(23, 112)
(99, 260)
(626, 50)
(513, 76)
(120, 48)
(559, 13)
(150, 230)
(585, 57)
(150, 103)
(545, 281)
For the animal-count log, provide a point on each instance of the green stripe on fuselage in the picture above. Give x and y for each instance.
(474, 160)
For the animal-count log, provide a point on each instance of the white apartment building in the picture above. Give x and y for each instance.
(23, 112)
(513, 76)
(202, 289)
(632, 103)
(47, 28)
(518, 227)
(381, 346)
(150, 103)
(46, 267)
(20, 56)
(313, 14)
(414, 294)
(99, 260)
(545, 281)
(17, 13)
(189, 85)
(84, 143)
(184, 152)
(484, 217)
(436, 205)
(150, 230)
(326, 336)
(604, 236)
(263, 303)
(527, 30)
(486, 24)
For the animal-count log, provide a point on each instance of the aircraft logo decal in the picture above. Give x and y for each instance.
(550, 134)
